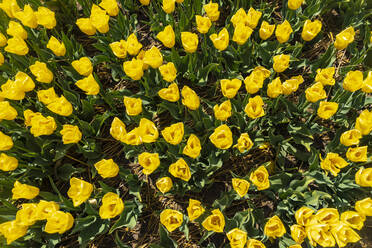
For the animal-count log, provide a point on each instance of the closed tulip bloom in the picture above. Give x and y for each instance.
(15, 29)
(89, 85)
(149, 161)
(320, 234)
(12, 90)
(61, 106)
(195, 209)
(244, 143)
(315, 92)
(24, 82)
(133, 106)
(28, 115)
(275, 88)
(47, 96)
(283, 31)
(99, 19)
(6, 142)
(220, 40)
(333, 163)
(242, 33)
(237, 238)
(117, 129)
(353, 81)
(367, 83)
(214, 222)
(211, 9)
(281, 62)
(112, 206)
(190, 41)
(344, 38)
(327, 109)
(148, 131)
(294, 4)
(85, 25)
(241, 186)
(10, 7)
(83, 66)
(364, 207)
(350, 137)
(357, 154)
(79, 191)
(167, 36)
(45, 209)
(291, 85)
(57, 47)
(260, 178)
(169, 6)
(133, 46)
(111, 7)
(17, 46)
(153, 57)
(253, 16)
(304, 215)
(174, 133)
(141, 56)
(298, 233)
(119, 48)
(223, 111)
(222, 137)
(41, 72)
(254, 243)
(59, 222)
(229, 88)
(133, 137)
(134, 68)
(189, 98)
(364, 177)
(311, 29)
(8, 163)
(343, 234)
(107, 168)
(263, 71)
(46, 18)
(274, 227)
(180, 170)
(12, 230)
(41, 125)
(193, 147)
(70, 134)
(353, 219)
(266, 30)
(164, 184)
(254, 108)
(27, 215)
(171, 93)
(7, 112)
(145, 2)
(168, 72)
(254, 82)
(24, 191)
(325, 76)
(327, 216)
(171, 219)
(203, 24)
(1, 59)
(364, 122)
(239, 17)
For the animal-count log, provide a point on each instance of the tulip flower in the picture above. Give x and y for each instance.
(239, 17)
(353, 219)
(311, 29)
(117, 129)
(242, 33)
(195, 209)
(343, 234)
(364, 207)
(89, 85)
(291, 85)
(367, 83)
(274, 227)
(167, 37)
(266, 30)
(274, 88)
(61, 106)
(237, 238)
(350, 137)
(357, 154)
(333, 163)
(220, 40)
(214, 222)
(211, 9)
(364, 177)
(24, 191)
(79, 191)
(283, 31)
(119, 48)
(70, 134)
(85, 25)
(320, 234)
(45, 209)
(83, 66)
(111, 206)
(107, 168)
(254, 243)
(203, 24)
(7, 112)
(17, 46)
(41, 125)
(193, 147)
(344, 38)
(241, 186)
(12, 230)
(15, 29)
(164, 184)
(132, 105)
(190, 41)
(153, 57)
(281, 62)
(10, 7)
(168, 72)
(27, 215)
(99, 19)
(57, 47)
(294, 4)
(111, 7)
(222, 137)
(174, 133)
(8, 163)
(260, 178)
(41, 72)
(253, 16)
(180, 169)
(223, 111)
(327, 109)
(171, 94)
(133, 46)
(59, 222)
(133, 68)
(315, 92)
(364, 122)
(6, 142)
(230, 88)
(254, 108)
(353, 81)
(244, 143)
(171, 219)
(149, 161)
(46, 18)
(298, 233)
(189, 98)
(325, 76)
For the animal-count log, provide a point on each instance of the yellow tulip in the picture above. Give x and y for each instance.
(193, 147)
(242, 33)
(171, 93)
(266, 30)
(133, 106)
(145, 2)
(180, 169)
(167, 36)
(189, 98)
(171, 219)
(357, 154)
(12, 90)
(2, 60)
(6, 142)
(24, 191)
(304, 216)
(148, 131)
(315, 92)
(353, 219)
(350, 137)
(254, 108)
(57, 47)
(325, 76)
(327, 109)
(203, 24)
(364, 122)
(27, 215)
(111, 7)
(134, 68)
(364, 207)
(168, 72)
(311, 29)
(41, 125)
(343, 234)
(10, 7)
(364, 177)
(149, 161)
(99, 19)
(353, 81)
(222, 137)
(8, 163)
(254, 82)
(107, 168)
(61, 106)
(283, 31)
(327, 216)
(17, 46)
(294, 4)
(47, 96)
(164, 184)
(211, 9)
(333, 163)
(133, 46)
(24, 82)
(41, 72)
(70, 134)
(7, 112)
(153, 57)
(230, 88)
(89, 85)
(83, 66)
(237, 238)
(260, 178)
(244, 143)
(320, 234)
(220, 40)
(254, 243)
(112, 206)
(344, 38)
(298, 233)
(169, 6)
(274, 227)
(45, 209)
(59, 222)
(119, 48)
(12, 230)
(275, 88)
(239, 17)
(291, 85)
(241, 186)
(253, 16)
(367, 83)
(281, 62)
(79, 191)
(85, 25)
(15, 29)
(190, 41)
(133, 137)
(46, 18)
(214, 222)
(195, 209)
(223, 111)
(117, 129)
(174, 133)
